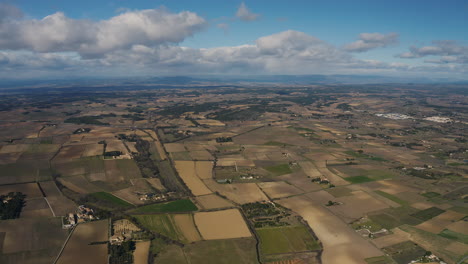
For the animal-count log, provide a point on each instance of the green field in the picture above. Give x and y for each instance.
(279, 169)
(392, 197)
(104, 196)
(162, 224)
(393, 217)
(428, 213)
(430, 194)
(276, 143)
(405, 252)
(358, 179)
(226, 251)
(454, 236)
(363, 155)
(434, 243)
(277, 240)
(184, 205)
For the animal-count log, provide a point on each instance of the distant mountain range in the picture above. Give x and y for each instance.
(216, 80)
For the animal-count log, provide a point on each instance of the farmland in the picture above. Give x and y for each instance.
(82, 238)
(175, 206)
(236, 174)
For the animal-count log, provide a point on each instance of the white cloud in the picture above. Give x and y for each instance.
(368, 41)
(445, 51)
(57, 33)
(244, 14)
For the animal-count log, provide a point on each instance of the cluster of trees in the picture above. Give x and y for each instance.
(89, 120)
(112, 153)
(223, 139)
(123, 253)
(11, 205)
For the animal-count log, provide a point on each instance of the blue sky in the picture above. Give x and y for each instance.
(414, 38)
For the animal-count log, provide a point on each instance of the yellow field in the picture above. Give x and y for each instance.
(440, 222)
(141, 253)
(186, 224)
(221, 224)
(187, 172)
(397, 236)
(212, 201)
(93, 150)
(240, 193)
(204, 169)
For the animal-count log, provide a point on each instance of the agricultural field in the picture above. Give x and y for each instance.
(189, 175)
(179, 227)
(236, 173)
(174, 206)
(226, 251)
(212, 225)
(84, 237)
(288, 239)
(31, 240)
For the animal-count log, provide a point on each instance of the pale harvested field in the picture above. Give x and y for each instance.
(356, 205)
(204, 169)
(186, 224)
(341, 244)
(131, 146)
(221, 224)
(210, 122)
(398, 236)
(186, 170)
(141, 253)
(440, 222)
(459, 227)
(124, 226)
(30, 189)
(335, 179)
(213, 201)
(389, 186)
(93, 150)
(457, 248)
(309, 169)
(240, 193)
(14, 148)
(84, 234)
(174, 147)
(279, 189)
(156, 183)
(116, 145)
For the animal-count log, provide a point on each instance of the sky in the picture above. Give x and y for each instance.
(120, 38)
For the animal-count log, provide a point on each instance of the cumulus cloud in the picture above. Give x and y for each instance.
(244, 14)
(445, 51)
(58, 33)
(368, 41)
